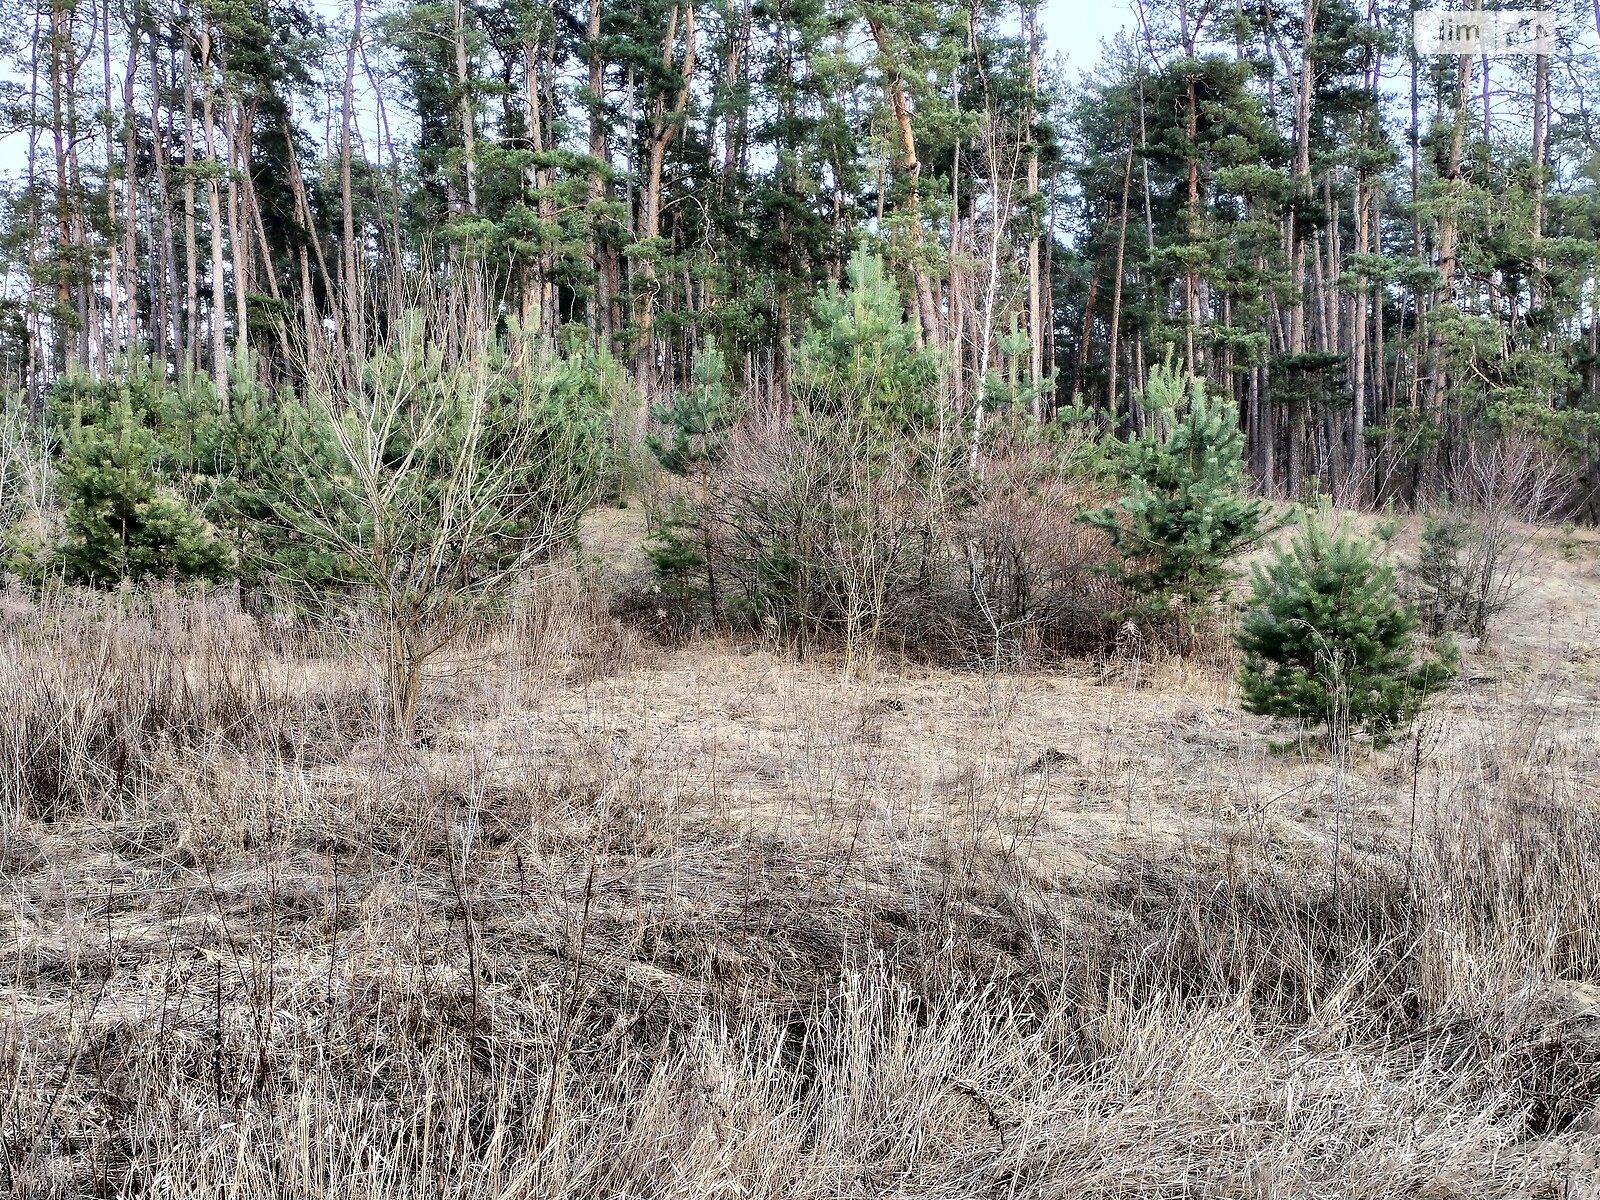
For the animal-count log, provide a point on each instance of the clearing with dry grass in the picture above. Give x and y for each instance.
(717, 920)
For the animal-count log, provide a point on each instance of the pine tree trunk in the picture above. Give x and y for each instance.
(1297, 255)
(955, 390)
(538, 309)
(90, 346)
(219, 334)
(600, 305)
(910, 169)
(191, 241)
(1449, 232)
(315, 341)
(664, 127)
(163, 283)
(1035, 315)
(396, 276)
(1358, 344)
(113, 247)
(1191, 285)
(130, 194)
(61, 53)
(1116, 289)
(469, 168)
(350, 272)
(1541, 105)
(233, 128)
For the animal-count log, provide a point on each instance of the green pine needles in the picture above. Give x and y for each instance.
(697, 422)
(1327, 639)
(128, 469)
(1183, 514)
(859, 355)
(696, 427)
(421, 496)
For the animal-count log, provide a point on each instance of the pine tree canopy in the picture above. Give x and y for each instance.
(1327, 639)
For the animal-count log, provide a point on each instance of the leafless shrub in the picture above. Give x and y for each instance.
(428, 491)
(1512, 478)
(1478, 549)
(1032, 583)
(828, 530)
(825, 528)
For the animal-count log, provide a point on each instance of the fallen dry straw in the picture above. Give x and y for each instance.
(261, 963)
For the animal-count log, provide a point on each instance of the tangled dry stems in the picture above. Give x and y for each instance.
(822, 534)
(254, 953)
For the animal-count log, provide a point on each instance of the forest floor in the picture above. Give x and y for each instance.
(721, 920)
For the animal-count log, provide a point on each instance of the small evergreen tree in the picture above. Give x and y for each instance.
(1326, 638)
(859, 355)
(128, 452)
(580, 397)
(265, 443)
(1182, 514)
(422, 495)
(1008, 389)
(697, 423)
(1452, 590)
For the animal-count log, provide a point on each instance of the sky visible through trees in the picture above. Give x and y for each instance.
(1382, 258)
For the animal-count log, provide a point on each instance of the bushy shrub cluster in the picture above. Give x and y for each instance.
(876, 511)
(879, 508)
(1034, 582)
(859, 515)
(821, 527)
(409, 495)
(1475, 551)
(823, 521)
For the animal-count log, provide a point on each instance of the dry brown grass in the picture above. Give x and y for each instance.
(718, 922)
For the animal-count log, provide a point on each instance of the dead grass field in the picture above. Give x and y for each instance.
(719, 921)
